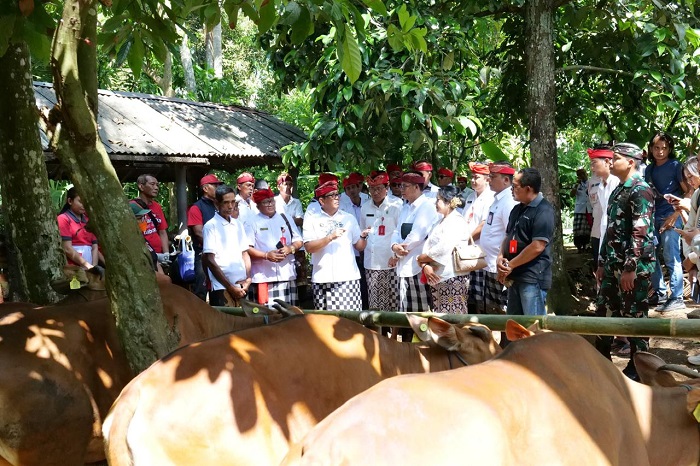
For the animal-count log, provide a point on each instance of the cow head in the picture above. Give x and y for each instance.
(474, 342)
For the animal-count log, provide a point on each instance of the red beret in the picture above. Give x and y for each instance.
(501, 169)
(413, 178)
(479, 167)
(284, 177)
(392, 167)
(245, 177)
(325, 188)
(209, 179)
(262, 194)
(462, 178)
(600, 153)
(446, 172)
(376, 178)
(326, 177)
(353, 178)
(422, 166)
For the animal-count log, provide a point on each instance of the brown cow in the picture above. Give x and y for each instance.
(241, 399)
(551, 399)
(62, 367)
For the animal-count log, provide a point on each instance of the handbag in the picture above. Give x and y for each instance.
(185, 258)
(467, 257)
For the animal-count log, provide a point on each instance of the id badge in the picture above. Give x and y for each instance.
(381, 231)
(513, 247)
(283, 240)
(489, 219)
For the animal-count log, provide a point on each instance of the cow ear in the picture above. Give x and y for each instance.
(420, 327)
(252, 309)
(482, 332)
(515, 331)
(443, 333)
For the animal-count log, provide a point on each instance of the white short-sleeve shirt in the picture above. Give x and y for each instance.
(268, 233)
(477, 209)
(227, 241)
(291, 209)
(383, 220)
(336, 261)
(494, 231)
(419, 217)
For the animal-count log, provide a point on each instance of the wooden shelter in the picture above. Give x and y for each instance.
(177, 140)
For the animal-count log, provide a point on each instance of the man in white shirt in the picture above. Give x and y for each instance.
(275, 240)
(395, 172)
(417, 218)
(380, 215)
(476, 210)
(600, 186)
(225, 251)
(351, 201)
(285, 203)
(314, 206)
(490, 296)
(425, 168)
(331, 237)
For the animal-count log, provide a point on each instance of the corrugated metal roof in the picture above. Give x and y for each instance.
(149, 125)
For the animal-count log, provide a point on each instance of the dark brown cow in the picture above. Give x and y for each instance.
(62, 367)
(242, 398)
(551, 399)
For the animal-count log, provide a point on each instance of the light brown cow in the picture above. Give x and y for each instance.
(551, 399)
(62, 367)
(240, 399)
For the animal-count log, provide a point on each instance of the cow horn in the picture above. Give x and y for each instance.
(481, 331)
(286, 309)
(683, 370)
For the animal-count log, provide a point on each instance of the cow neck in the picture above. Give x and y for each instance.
(672, 433)
(435, 358)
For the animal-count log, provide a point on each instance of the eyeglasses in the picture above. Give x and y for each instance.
(376, 189)
(332, 195)
(267, 202)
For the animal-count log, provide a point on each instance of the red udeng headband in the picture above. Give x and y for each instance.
(479, 168)
(501, 169)
(600, 154)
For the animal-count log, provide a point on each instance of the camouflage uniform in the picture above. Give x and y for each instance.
(628, 245)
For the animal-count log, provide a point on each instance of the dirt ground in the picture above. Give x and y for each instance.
(672, 350)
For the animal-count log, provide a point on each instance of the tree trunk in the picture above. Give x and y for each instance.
(30, 219)
(186, 60)
(212, 43)
(131, 284)
(543, 144)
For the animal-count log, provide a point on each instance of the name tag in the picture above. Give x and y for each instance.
(370, 215)
(263, 229)
(489, 219)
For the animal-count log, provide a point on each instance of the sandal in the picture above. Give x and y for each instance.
(624, 351)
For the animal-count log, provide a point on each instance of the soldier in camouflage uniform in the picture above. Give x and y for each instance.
(627, 254)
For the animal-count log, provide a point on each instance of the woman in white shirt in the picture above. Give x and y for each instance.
(449, 290)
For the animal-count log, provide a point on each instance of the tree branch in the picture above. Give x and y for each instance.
(593, 69)
(514, 9)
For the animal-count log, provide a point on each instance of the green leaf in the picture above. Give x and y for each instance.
(136, 55)
(405, 120)
(468, 124)
(303, 27)
(395, 38)
(212, 15)
(349, 56)
(377, 6)
(448, 61)
(267, 16)
(492, 151)
(656, 75)
(672, 104)
(403, 15)
(679, 91)
(347, 93)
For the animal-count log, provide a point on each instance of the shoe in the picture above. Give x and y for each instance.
(631, 372)
(675, 304)
(655, 300)
(624, 351)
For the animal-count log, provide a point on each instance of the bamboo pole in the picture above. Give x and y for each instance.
(614, 326)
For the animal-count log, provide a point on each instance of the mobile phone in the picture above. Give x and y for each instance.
(279, 245)
(671, 198)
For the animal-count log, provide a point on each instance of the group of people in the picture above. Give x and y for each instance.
(389, 248)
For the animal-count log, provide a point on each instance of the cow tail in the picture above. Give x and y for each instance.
(116, 427)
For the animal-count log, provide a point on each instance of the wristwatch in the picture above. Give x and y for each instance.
(293, 249)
